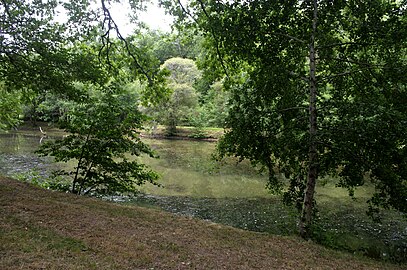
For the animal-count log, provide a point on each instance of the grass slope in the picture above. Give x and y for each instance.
(41, 229)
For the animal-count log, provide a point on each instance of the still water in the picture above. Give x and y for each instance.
(192, 182)
(17, 153)
(185, 167)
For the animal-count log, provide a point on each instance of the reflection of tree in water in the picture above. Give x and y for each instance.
(21, 144)
(202, 188)
(188, 155)
(43, 135)
(17, 154)
(197, 157)
(13, 165)
(9, 143)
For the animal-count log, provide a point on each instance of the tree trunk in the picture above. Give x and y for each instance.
(308, 205)
(75, 181)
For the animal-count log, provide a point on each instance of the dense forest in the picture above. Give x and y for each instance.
(308, 89)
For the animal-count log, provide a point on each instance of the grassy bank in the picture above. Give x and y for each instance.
(184, 132)
(40, 229)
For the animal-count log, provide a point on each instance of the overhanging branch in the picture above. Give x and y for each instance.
(111, 24)
(215, 38)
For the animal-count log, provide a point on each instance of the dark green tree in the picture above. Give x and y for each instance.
(37, 52)
(214, 105)
(317, 88)
(10, 108)
(42, 54)
(104, 141)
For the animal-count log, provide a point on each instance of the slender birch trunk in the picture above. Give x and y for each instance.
(308, 205)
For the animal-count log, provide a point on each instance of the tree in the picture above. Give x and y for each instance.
(42, 54)
(163, 46)
(214, 105)
(36, 51)
(103, 141)
(177, 108)
(10, 108)
(317, 89)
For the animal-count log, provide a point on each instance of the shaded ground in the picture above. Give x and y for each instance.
(40, 229)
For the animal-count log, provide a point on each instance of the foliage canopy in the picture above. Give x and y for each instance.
(317, 88)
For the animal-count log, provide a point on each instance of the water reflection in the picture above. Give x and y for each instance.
(202, 189)
(17, 153)
(25, 141)
(186, 167)
(12, 143)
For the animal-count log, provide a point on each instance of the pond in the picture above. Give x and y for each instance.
(232, 193)
(185, 167)
(192, 183)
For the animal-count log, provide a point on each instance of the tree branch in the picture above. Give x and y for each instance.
(186, 11)
(106, 41)
(345, 73)
(339, 44)
(215, 38)
(346, 59)
(293, 108)
(6, 8)
(292, 73)
(289, 36)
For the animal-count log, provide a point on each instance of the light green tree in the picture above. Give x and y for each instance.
(179, 106)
